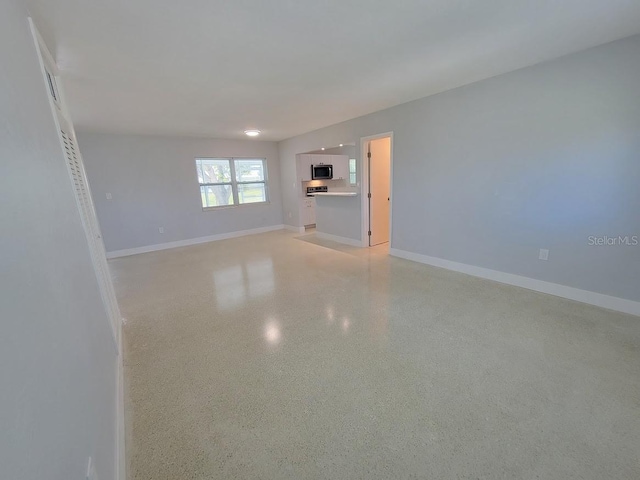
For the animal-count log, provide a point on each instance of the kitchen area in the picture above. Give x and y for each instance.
(327, 179)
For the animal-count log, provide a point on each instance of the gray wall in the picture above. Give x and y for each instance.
(334, 215)
(57, 357)
(153, 183)
(488, 173)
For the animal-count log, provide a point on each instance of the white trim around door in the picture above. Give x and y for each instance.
(364, 176)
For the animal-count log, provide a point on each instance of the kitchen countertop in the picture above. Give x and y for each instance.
(336, 194)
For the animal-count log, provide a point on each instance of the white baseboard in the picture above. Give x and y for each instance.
(121, 462)
(336, 238)
(584, 296)
(190, 241)
(294, 229)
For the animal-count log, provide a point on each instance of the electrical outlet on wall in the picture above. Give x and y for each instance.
(109, 196)
(289, 214)
(544, 254)
(161, 229)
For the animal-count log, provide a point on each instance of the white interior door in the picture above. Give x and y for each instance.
(379, 190)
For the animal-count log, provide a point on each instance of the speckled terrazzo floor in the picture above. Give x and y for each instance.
(267, 357)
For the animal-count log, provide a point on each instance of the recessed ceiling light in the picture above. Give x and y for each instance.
(341, 145)
(252, 133)
(322, 149)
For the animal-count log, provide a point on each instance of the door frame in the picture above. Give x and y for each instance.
(364, 189)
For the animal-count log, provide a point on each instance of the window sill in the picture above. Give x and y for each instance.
(226, 207)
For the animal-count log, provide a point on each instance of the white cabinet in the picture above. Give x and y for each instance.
(340, 167)
(304, 167)
(321, 159)
(312, 211)
(309, 211)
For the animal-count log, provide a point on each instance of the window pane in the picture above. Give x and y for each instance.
(215, 170)
(216, 195)
(352, 171)
(203, 195)
(199, 171)
(252, 192)
(249, 170)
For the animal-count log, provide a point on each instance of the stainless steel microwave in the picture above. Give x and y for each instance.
(321, 172)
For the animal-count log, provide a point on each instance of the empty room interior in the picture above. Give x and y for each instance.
(320, 240)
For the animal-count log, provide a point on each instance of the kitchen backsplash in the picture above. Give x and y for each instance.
(328, 183)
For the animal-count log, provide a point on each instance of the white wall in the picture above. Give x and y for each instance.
(57, 356)
(153, 183)
(488, 173)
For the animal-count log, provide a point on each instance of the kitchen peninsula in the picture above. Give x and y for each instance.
(335, 214)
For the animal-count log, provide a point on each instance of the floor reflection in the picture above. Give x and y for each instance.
(272, 332)
(330, 316)
(346, 323)
(237, 284)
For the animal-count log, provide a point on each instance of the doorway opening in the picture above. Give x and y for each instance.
(377, 169)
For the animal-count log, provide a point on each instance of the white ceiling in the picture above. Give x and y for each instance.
(344, 150)
(215, 68)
